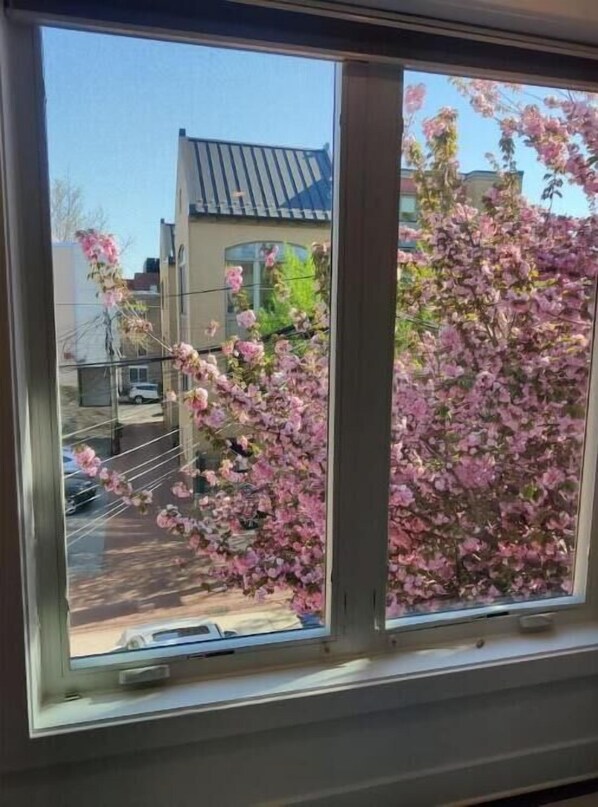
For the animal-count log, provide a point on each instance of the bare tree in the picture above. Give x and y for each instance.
(68, 213)
(67, 208)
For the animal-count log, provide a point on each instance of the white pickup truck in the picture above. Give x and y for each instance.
(173, 632)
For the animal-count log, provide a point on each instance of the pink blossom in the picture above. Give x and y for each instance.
(228, 348)
(246, 319)
(270, 257)
(234, 278)
(86, 459)
(440, 124)
(251, 352)
(414, 98)
(181, 491)
(212, 328)
(197, 400)
(112, 297)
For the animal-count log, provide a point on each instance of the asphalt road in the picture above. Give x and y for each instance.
(86, 529)
(85, 536)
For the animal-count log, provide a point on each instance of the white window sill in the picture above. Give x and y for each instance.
(317, 692)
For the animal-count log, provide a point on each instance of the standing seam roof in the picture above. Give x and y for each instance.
(248, 180)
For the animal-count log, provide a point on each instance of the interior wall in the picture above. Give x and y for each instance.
(432, 754)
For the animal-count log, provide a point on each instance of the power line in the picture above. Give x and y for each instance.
(147, 462)
(153, 468)
(197, 291)
(128, 470)
(286, 330)
(153, 485)
(129, 451)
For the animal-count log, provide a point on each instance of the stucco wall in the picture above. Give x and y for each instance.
(205, 242)
(208, 240)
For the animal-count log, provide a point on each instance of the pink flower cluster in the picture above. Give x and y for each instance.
(99, 247)
(86, 460)
(270, 257)
(234, 278)
(111, 481)
(440, 124)
(246, 319)
(251, 352)
(414, 98)
(101, 251)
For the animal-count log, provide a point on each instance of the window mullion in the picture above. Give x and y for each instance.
(365, 249)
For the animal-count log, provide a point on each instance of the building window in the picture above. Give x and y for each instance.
(257, 277)
(138, 375)
(183, 291)
(408, 208)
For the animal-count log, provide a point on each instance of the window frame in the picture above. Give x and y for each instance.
(62, 675)
(356, 607)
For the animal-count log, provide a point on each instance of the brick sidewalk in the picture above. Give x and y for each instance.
(139, 580)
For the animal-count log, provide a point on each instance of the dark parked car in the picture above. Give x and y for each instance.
(78, 491)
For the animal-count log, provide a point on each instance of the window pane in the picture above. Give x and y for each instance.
(223, 440)
(492, 344)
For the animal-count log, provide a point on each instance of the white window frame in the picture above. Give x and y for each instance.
(366, 200)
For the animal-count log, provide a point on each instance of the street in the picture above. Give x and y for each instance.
(124, 570)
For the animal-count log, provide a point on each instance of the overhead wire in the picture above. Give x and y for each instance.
(120, 507)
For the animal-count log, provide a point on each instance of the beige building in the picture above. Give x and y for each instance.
(475, 183)
(234, 201)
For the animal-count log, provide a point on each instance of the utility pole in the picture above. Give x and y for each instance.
(115, 428)
(200, 484)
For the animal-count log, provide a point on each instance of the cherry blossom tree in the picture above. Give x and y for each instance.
(489, 392)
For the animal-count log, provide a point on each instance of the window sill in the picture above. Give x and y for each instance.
(318, 692)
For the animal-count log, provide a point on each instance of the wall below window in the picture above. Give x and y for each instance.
(432, 754)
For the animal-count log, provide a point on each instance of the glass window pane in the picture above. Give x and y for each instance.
(223, 439)
(492, 345)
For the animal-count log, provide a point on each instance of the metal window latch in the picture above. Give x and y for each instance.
(144, 676)
(536, 623)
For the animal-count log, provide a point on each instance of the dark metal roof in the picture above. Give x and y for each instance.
(248, 180)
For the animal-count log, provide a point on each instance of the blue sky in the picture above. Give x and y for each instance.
(115, 106)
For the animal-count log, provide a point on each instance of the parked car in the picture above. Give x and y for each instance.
(180, 631)
(69, 465)
(310, 621)
(142, 393)
(78, 491)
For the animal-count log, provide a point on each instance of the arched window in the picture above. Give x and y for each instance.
(182, 266)
(256, 277)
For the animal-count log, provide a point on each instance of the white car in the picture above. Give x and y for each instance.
(164, 634)
(140, 393)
